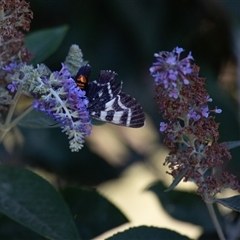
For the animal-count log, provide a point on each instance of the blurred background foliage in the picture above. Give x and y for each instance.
(123, 36)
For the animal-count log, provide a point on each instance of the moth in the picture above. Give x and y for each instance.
(107, 102)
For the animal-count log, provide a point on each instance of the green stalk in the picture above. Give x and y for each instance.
(7, 125)
(215, 221)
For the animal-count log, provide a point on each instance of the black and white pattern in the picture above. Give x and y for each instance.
(106, 101)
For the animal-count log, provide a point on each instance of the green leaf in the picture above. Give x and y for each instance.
(11, 230)
(37, 119)
(233, 144)
(176, 181)
(144, 232)
(45, 42)
(93, 214)
(231, 202)
(184, 206)
(33, 202)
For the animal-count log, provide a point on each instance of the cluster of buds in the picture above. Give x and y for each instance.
(191, 132)
(15, 19)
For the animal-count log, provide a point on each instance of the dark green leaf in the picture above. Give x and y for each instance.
(144, 232)
(38, 119)
(45, 42)
(11, 230)
(33, 202)
(176, 180)
(232, 202)
(184, 206)
(233, 144)
(93, 214)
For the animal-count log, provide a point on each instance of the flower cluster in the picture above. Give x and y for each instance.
(191, 132)
(15, 17)
(56, 94)
(74, 59)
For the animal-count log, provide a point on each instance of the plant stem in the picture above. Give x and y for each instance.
(12, 108)
(215, 221)
(16, 120)
(8, 125)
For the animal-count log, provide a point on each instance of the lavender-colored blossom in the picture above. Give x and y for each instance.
(56, 94)
(205, 112)
(190, 132)
(67, 104)
(169, 66)
(174, 93)
(13, 87)
(10, 67)
(163, 126)
(186, 81)
(209, 99)
(192, 114)
(216, 110)
(179, 50)
(173, 74)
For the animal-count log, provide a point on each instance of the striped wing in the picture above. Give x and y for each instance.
(107, 103)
